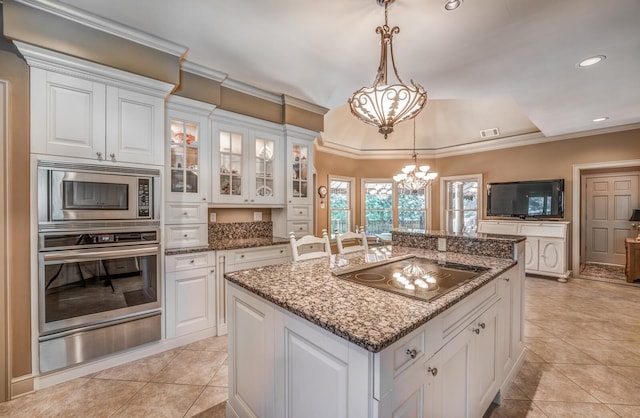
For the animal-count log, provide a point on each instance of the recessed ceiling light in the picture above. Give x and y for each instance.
(602, 119)
(591, 61)
(452, 4)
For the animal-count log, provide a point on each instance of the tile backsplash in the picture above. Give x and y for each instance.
(240, 230)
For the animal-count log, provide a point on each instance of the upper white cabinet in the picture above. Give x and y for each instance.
(86, 110)
(298, 214)
(247, 161)
(188, 160)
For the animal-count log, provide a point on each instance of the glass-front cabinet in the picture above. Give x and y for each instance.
(187, 164)
(247, 162)
(300, 186)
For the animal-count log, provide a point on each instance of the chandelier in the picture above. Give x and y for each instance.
(385, 105)
(414, 178)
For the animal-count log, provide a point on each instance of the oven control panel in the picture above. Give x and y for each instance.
(144, 198)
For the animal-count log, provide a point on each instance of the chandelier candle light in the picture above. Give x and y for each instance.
(413, 177)
(385, 105)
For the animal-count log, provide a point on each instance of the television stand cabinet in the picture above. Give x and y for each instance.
(546, 248)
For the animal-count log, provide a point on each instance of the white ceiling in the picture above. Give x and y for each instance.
(506, 64)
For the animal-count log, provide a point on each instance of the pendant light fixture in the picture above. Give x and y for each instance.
(414, 178)
(384, 105)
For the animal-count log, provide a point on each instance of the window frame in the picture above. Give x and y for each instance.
(444, 202)
(427, 204)
(351, 196)
(363, 200)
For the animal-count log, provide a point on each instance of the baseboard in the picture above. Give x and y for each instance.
(21, 386)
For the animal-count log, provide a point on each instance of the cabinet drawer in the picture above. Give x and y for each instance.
(189, 261)
(299, 212)
(269, 253)
(179, 236)
(508, 228)
(542, 230)
(180, 212)
(299, 228)
(462, 313)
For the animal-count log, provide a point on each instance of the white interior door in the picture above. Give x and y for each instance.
(610, 199)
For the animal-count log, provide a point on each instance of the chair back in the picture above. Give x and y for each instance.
(310, 246)
(358, 240)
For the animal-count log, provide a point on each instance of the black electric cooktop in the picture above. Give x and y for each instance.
(414, 277)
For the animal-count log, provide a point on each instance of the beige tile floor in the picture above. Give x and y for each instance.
(177, 383)
(583, 352)
(582, 360)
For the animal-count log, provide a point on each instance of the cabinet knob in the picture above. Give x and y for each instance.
(185, 214)
(412, 353)
(113, 156)
(192, 261)
(432, 370)
(281, 251)
(185, 235)
(242, 256)
(476, 330)
(251, 200)
(506, 279)
(482, 325)
(246, 200)
(289, 201)
(99, 154)
(204, 198)
(212, 271)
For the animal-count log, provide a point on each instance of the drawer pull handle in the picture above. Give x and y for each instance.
(433, 371)
(412, 353)
(192, 261)
(506, 279)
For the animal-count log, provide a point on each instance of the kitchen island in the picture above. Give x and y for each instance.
(303, 342)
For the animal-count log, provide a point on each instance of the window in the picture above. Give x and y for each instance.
(378, 206)
(412, 209)
(461, 202)
(340, 204)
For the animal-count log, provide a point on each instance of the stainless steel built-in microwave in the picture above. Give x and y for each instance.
(84, 192)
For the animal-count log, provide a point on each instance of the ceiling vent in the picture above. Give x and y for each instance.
(489, 133)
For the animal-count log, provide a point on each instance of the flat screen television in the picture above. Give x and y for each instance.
(526, 199)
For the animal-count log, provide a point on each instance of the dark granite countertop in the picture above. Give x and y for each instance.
(368, 317)
(230, 244)
(467, 235)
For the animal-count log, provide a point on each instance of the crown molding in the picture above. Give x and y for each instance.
(54, 61)
(106, 25)
(304, 105)
(252, 91)
(303, 133)
(185, 104)
(532, 138)
(202, 71)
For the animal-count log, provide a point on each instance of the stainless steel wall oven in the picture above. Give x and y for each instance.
(99, 255)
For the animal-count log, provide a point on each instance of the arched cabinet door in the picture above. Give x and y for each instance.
(531, 254)
(550, 256)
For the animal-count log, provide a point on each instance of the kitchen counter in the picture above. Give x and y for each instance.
(230, 244)
(370, 318)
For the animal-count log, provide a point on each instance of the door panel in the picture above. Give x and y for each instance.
(610, 199)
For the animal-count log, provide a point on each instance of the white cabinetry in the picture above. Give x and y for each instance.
(187, 173)
(297, 217)
(546, 248)
(454, 365)
(247, 161)
(242, 259)
(190, 293)
(86, 110)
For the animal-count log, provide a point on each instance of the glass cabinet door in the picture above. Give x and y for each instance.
(300, 163)
(230, 164)
(185, 157)
(264, 154)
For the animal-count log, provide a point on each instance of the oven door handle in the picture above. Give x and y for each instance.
(90, 255)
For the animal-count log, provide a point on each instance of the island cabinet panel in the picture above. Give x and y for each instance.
(251, 356)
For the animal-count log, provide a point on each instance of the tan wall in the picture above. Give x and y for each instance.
(199, 88)
(15, 70)
(541, 161)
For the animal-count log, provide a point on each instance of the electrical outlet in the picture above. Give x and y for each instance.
(257, 216)
(212, 217)
(442, 244)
